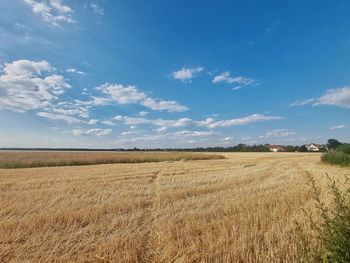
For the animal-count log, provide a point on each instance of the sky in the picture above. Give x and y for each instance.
(133, 73)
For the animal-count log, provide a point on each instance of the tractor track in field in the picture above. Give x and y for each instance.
(147, 252)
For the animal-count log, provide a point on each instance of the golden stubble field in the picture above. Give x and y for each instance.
(239, 209)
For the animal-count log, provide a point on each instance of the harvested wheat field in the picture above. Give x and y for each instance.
(239, 209)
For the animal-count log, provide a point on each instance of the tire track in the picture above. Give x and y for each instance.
(148, 249)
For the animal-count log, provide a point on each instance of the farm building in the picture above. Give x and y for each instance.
(313, 147)
(276, 148)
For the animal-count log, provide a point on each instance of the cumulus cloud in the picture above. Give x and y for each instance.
(337, 127)
(99, 132)
(130, 94)
(99, 101)
(122, 94)
(33, 85)
(333, 97)
(53, 12)
(227, 78)
(26, 85)
(208, 123)
(96, 9)
(163, 105)
(186, 74)
(93, 121)
(69, 108)
(95, 131)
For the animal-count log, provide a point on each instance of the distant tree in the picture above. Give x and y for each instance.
(333, 144)
(240, 147)
(302, 148)
(291, 148)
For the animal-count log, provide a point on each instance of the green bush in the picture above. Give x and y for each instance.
(338, 157)
(332, 230)
(345, 148)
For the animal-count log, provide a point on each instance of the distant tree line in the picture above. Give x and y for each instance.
(237, 148)
(331, 145)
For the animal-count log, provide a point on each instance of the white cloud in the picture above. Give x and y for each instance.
(26, 68)
(157, 122)
(172, 139)
(129, 133)
(143, 113)
(26, 85)
(69, 108)
(237, 88)
(333, 97)
(123, 94)
(186, 74)
(337, 127)
(300, 139)
(130, 94)
(107, 122)
(279, 133)
(304, 102)
(144, 138)
(99, 132)
(60, 117)
(163, 105)
(93, 121)
(187, 133)
(227, 78)
(177, 136)
(161, 129)
(99, 101)
(53, 12)
(95, 131)
(132, 120)
(96, 9)
(75, 132)
(209, 123)
(179, 123)
(74, 70)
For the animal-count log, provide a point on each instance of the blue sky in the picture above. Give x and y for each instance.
(106, 74)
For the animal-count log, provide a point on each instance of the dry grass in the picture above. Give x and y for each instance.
(47, 159)
(239, 209)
